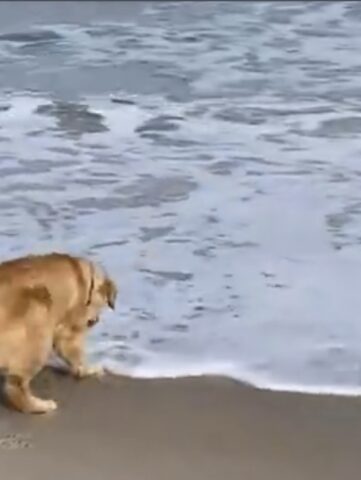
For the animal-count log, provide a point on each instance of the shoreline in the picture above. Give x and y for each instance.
(256, 382)
(196, 428)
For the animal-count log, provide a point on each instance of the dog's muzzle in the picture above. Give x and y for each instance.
(92, 322)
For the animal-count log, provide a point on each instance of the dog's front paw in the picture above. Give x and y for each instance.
(95, 371)
(87, 371)
(38, 405)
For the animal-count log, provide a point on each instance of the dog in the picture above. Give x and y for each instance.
(47, 303)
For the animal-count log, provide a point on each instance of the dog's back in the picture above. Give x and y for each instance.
(62, 274)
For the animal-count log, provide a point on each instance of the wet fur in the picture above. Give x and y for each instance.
(47, 303)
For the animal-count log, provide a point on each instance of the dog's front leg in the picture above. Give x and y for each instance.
(69, 345)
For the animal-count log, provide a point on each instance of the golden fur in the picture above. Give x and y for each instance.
(47, 302)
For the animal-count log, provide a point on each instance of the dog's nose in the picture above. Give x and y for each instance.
(93, 321)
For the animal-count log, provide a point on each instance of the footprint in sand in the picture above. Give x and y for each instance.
(15, 441)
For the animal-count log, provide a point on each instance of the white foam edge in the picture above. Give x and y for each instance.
(227, 370)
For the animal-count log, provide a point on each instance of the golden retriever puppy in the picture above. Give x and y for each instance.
(47, 302)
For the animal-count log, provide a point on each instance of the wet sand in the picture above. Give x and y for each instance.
(199, 428)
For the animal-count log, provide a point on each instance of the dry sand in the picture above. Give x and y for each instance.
(201, 428)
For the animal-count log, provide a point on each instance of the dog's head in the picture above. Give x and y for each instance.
(102, 293)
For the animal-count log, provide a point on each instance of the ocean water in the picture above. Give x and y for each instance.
(209, 156)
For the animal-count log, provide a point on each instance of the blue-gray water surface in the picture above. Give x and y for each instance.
(208, 154)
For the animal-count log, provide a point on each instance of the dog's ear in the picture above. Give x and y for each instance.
(110, 292)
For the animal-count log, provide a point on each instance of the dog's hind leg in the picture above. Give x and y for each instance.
(18, 393)
(25, 348)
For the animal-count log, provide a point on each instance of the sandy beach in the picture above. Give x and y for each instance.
(199, 428)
